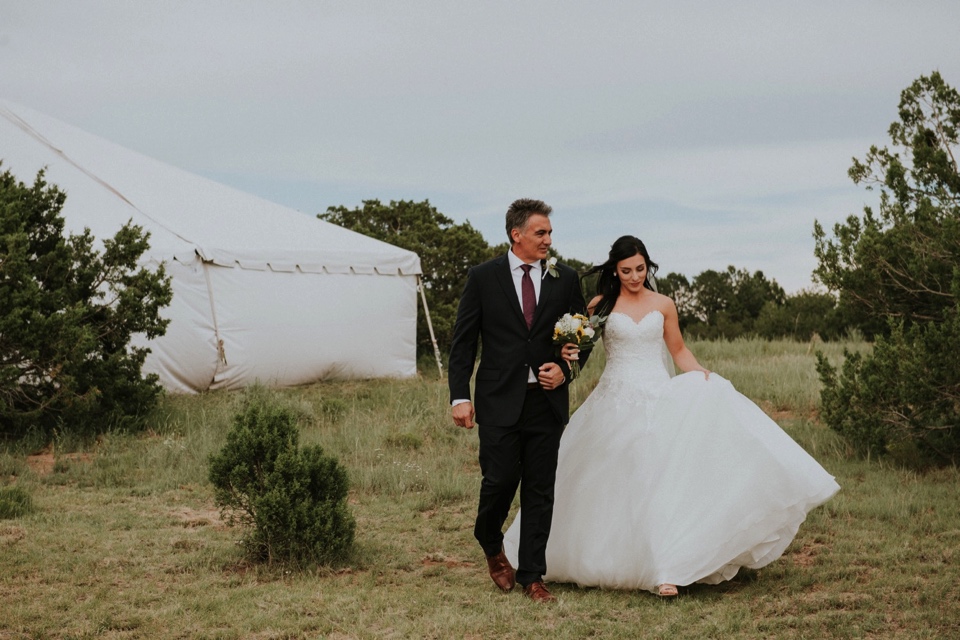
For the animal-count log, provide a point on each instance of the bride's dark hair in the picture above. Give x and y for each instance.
(608, 285)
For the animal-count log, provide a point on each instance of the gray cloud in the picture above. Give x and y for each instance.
(694, 121)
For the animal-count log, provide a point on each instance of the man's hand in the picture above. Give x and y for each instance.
(463, 415)
(550, 376)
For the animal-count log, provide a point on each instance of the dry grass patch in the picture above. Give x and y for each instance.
(46, 462)
(129, 544)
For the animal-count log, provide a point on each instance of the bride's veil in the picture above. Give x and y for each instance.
(664, 352)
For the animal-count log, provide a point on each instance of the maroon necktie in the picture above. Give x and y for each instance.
(528, 295)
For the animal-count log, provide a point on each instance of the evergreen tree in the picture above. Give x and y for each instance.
(67, 314)
(896, 271)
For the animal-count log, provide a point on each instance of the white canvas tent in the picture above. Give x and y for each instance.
(261, 292)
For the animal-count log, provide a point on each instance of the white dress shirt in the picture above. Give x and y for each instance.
(536, 274)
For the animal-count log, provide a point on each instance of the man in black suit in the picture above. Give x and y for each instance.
(510, 304)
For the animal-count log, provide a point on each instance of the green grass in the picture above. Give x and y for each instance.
(124, 540)
(14, 502)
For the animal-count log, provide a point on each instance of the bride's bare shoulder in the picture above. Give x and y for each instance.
(665, 303)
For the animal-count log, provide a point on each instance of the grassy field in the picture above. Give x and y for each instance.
(124, 540)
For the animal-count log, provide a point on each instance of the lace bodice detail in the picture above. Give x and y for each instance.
(635, 367)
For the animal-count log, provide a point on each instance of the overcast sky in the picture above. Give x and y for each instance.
(715, 131)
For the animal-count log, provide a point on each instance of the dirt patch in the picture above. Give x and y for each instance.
(191, 518)
(438, 559)
(45, 462)
(779, 416)
(10, 534)
(806, 555)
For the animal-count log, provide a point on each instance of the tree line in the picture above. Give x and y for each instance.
(715, 304)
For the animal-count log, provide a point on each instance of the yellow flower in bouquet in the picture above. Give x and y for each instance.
(574, 328)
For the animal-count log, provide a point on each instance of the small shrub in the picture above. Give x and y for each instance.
(407, 441)
(333, 408)
(14, 502)
(293, 500)
(902, 398)
(11, 465)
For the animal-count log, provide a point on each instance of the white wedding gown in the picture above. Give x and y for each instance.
(671, 480)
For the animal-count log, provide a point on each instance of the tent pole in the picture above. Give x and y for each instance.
(426, 312)
(221, 353)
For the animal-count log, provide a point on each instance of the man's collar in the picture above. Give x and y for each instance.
(515, 261)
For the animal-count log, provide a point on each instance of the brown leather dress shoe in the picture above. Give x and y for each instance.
(501, 571)
(537, 592)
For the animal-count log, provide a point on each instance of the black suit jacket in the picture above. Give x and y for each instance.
(490, 314)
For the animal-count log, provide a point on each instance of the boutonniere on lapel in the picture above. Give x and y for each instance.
(549, 266)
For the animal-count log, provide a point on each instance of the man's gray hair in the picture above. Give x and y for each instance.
(521, 210)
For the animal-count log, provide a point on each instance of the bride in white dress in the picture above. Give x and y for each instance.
(668, 481)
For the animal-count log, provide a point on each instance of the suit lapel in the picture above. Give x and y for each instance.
(505, 278)
(547, 287)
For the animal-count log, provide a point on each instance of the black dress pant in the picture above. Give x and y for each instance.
(524, 455)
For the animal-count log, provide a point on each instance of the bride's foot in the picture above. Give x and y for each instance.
(667, 590)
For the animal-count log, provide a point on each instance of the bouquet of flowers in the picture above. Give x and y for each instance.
(573, 328)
